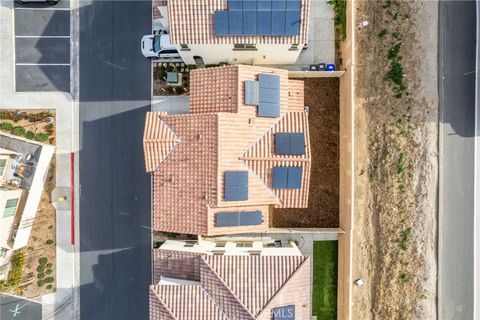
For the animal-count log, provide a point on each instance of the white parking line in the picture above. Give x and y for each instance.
(44, 9)
(50, 37)
(42, 64)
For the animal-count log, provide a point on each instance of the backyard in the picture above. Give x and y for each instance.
(322, 98)
(171, 79)
(324, 288)
(37, 125)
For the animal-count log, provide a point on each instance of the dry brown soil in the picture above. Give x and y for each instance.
(322, 98)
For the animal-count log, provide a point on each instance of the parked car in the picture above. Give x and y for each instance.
(36, 1)
(158, 46)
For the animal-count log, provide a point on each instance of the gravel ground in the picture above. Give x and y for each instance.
(322, 98)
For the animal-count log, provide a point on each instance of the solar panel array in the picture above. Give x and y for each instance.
(287, 178)
(290, 143)
(236, 219)
(251, 92)
(259, 18)
(236, 185)
(269, 95)
(284, 313)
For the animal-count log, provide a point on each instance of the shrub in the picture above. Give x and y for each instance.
(29, 135)
(43, 260)
(49, 280)
(49, 286)
(41, 268)
(48, 129)
(50, 226)
(18, 131)
(42, 137)
(49, 241)
(49, 271)
(49, 265)
(40, 283)
(41, 275)
(6, 126)
(16, 272)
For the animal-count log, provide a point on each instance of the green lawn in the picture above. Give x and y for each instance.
(324, 295)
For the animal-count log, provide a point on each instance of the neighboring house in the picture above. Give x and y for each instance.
(205, 286)
(243, 148)
(256, 32)
(23, 168)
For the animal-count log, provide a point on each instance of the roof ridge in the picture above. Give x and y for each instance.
(203, 258)
(305, 258)
(214, 302)
(161, 301)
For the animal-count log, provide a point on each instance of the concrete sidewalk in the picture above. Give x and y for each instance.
(59, 304)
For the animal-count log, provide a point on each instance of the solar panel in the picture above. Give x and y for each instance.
(269, 95)
(282, 143)
(294, 178)
(264, 26)
(293, 5)
(264, 5)
(251, 92)
(236, 185)
(269, 80)
(286, 177)
(221, 23)
(250, 22)
(292, 23)
(227, 219)
(235, 5)
(235, 23)
(269, 110)
(284, 313)
(249, 5)
(278, 22)
(278, 5)
(235, 219)
(297, 143)
(250, 218)
(279, 177)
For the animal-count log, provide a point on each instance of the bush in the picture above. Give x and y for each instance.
(49, 286)
(42, 137)
(50, 226)
(41, 275)
(49, 241)
(49, 265)
(40, 283)
(43, 260)
(16, 272)
(49, 280)
(18, 131)
(6, 126)
(49, 271)
(41, 268)
(29, 134)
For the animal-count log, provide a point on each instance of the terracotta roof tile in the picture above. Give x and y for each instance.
(191, 22)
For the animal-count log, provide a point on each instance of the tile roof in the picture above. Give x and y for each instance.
(189, 154)
(238, 287)
(191, 22)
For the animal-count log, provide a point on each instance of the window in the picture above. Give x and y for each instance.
(189, 244)
(10, 208)
(245, 46)
(218, 253)
(220, 244)
(3, 163)
(254, 253)
(294, 47)
(2, 252)
(244, 244)
(184, 46)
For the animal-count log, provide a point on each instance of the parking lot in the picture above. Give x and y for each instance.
(42, 47)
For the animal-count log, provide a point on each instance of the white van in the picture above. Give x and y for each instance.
(158, 46)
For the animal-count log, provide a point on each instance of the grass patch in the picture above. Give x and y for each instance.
(340, 8)
(325, 268)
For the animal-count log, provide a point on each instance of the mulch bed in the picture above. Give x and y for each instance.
(322, 98)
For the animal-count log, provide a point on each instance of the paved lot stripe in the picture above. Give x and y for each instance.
(46, 37)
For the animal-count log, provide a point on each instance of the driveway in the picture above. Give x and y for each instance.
(42, 47)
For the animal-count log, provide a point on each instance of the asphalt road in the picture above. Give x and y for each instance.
(115, 89)
(457, 58)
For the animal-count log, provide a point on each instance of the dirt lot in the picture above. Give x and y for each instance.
(40, 244)
(395, 160)
(322, 98)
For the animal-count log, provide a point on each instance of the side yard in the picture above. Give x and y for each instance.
(322, 99)
(325, 275)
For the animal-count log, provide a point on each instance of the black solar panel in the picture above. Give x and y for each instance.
(287, 178)
(236, 185)
(290, 143)
(235, 219)
(259, 17)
